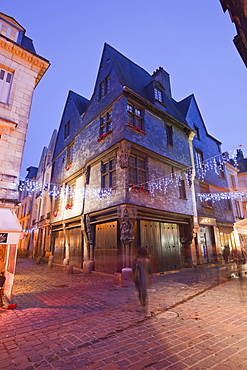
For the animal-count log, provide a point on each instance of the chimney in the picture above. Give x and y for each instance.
(164, 78)
(239, 155)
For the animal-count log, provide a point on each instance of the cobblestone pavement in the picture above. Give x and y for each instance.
(197, 319)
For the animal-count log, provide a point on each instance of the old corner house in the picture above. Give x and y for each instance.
(127, 168)
(21, 68)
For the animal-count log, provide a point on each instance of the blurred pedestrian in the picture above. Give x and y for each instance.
(226, 254)
(236, 257)
(141, 269)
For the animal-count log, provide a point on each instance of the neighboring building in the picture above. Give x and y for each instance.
(241, 225)
(215, 219)
(21, 68)
(24, 212)
(128, 167)
(238, 13)
(242, 177)
(41, 211)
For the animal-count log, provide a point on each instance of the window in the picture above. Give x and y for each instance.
(69, 158)
(158, 95)
(66, 130)
(56, 204)
(169, 135)
(8, 31)
(5, 85)
(105, 123)
(228, 205)
(182, 191)
(237, 208)
(135, 116)
(221, 169)
(137, 170)
(104, 87)
(199, 159)
(108, 172)
(233, 181)
(204, 188)
(197, 133)
(70, 194)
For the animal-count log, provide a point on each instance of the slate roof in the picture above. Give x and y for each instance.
(184, 105)
(137, 79)
(80, 102)
(25, 42)
(242, 165)
(32, 172)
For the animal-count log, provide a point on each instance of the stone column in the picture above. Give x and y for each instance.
(127, 237)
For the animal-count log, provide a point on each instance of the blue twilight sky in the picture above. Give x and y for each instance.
(191, 40)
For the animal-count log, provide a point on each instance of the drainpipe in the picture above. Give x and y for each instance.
(195, 215)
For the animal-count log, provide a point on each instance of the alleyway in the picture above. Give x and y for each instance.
(197, 319)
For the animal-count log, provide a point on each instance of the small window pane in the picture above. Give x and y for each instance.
(141, 163)
(8, 79)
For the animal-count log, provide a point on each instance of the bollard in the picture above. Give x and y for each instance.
(117, 280)
(50, 261)
(70, 269)
(126, 273)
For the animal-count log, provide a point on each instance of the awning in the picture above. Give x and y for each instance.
(241, 226)
(10, 227)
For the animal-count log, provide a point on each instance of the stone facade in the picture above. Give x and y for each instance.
(20, 71)
(23, 69)
(238, 12)
(126, 170)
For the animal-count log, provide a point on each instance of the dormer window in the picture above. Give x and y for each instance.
(66, 130)
(158, 95)
(104, 87)
(197, 133)
(8, 31)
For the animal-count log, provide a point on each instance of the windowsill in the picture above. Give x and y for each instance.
(183, 198)
(138, 129)
(68, 167)
(102, 137)
(160, 102)
(170, 146)
(138, 189)
(209, 207)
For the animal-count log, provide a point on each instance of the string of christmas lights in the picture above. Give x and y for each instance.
(161, 184)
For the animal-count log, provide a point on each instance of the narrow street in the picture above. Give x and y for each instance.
(197, 319)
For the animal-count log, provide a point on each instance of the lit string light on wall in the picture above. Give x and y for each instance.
(233, 195)
(161, 184)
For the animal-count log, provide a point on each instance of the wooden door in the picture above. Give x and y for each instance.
(75, 247)
(150, 239)
(106, 254)
(162, 241)
(58, 246)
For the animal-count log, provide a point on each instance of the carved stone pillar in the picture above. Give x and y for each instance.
(123, 154)
(88, 264)
(127, 233)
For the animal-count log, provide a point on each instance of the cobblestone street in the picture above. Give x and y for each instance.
(197, 319)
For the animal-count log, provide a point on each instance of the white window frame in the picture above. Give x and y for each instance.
(158, 95)
(6, 79)
(8, 31)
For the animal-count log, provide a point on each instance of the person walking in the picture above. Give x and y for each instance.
(141, 270)
(226, 254)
